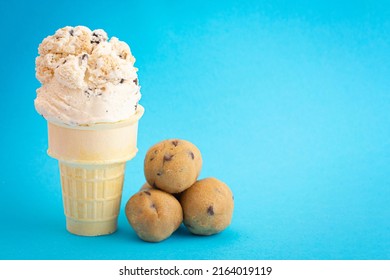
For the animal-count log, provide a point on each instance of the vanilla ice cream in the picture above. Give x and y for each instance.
(86, 78)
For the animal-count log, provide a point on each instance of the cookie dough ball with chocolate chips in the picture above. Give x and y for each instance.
(172, 165)
(207, 206)
(153, 214)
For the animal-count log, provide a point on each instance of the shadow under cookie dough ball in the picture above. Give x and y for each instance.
(207, 207)
(153, 214)
(172, 165)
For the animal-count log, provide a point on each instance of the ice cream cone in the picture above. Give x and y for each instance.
(92, 164)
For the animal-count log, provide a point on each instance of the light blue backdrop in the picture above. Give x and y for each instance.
(288, 103)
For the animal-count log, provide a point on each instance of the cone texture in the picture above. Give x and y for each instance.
(91, 196)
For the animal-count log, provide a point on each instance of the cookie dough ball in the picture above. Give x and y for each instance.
(207, 206)
(153, 214)
(172, 165)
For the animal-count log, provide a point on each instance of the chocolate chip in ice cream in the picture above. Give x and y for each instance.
(83, 59)
(98, 36)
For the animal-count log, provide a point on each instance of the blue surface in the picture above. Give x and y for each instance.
(288, 103)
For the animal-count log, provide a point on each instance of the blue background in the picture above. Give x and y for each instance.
(289, 104)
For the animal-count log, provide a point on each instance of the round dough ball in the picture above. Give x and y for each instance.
(153, 214)
(207, 206)
(172, 165)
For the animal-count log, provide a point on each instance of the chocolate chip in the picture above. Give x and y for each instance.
(64, 61)
(210, 211)
(97, 38)
(168, 157)
(148, 193)
(135, 81)
(175, 143)
(82, 59)
(121, 81)
(153, 206)
(192, 155)
(159, 173)
(71, 32)
(136, 106)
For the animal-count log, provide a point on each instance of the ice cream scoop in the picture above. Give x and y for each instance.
(86, 78)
